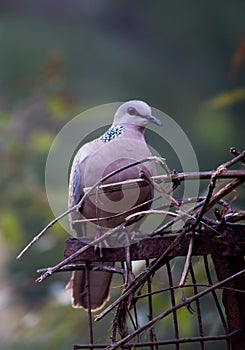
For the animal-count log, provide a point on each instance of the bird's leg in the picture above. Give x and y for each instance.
(99, 232)
(129, 272)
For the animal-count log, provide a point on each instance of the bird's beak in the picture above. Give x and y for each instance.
(154, 120)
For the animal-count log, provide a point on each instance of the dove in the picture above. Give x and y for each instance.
(121, 145)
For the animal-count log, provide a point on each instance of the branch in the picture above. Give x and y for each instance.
(203, 175)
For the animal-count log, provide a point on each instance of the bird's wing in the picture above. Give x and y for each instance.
(99, 280)
(75, 181)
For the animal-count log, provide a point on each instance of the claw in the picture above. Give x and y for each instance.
(127, 236)
(99, 246)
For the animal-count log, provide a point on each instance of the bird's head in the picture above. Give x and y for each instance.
(136, 113)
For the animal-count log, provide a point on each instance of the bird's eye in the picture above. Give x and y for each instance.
(132, 111)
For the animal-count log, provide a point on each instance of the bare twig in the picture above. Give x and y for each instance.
(78, 266)
(151, 211)
(236, 153)
(222, 169)
(203, 175)
(39, 235)
(224, 191)
(118, 214)
(70, 258)
(161, 230)
(187, 263)
(172, 201)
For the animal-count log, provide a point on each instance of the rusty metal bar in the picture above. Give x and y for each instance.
(150, 306)
(216, 300)
(230, 242)
(90, 319)
(234, 302)
(173, 303)
(198, 307)
(160, 342)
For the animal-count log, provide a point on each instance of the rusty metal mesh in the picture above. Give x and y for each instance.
(162, 315)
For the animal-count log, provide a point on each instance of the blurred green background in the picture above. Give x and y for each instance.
(60, 57)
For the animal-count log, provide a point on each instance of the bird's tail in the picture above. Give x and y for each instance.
(99, 288)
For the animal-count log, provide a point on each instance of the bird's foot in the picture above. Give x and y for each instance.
(98, 247)
(127, 237)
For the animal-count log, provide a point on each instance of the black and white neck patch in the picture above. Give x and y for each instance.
(112, 133)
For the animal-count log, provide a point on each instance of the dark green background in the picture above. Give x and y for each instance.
(58, 58)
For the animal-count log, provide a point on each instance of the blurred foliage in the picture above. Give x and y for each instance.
(59, 58)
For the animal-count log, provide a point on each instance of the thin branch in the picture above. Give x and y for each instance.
(222, 169)
(225, 191)
(78, 266)
(187, 263)
(150, 201)
(236, 153)
(151, 211)
(235, 216)
(172, 201)
(203, 175)
(211, 187)
(70, 258)
(239, 157)
(39, 235)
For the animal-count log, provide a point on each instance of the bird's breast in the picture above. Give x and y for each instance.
(111, 205)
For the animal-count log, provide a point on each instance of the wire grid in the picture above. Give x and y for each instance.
(200, 325)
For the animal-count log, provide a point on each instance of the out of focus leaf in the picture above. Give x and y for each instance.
(216, 129)
(238, 59)
(11, 228)
(226, 99)
(41, 141)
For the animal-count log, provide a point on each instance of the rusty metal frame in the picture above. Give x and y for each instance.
(227, 251)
